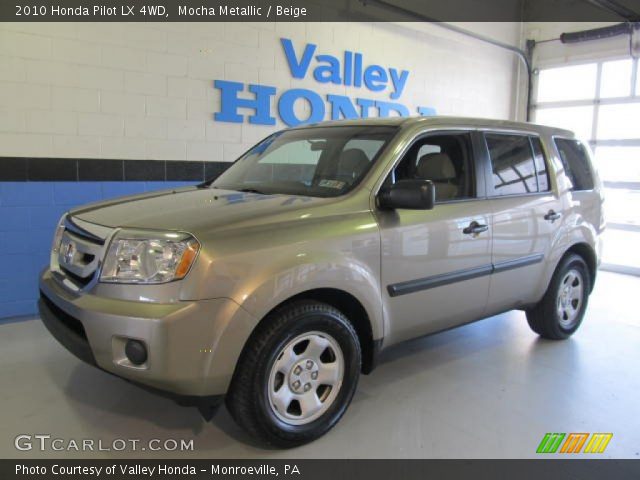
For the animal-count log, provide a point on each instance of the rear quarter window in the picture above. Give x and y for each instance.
(575, 161)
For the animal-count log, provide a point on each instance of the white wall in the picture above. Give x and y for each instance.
(145, 91)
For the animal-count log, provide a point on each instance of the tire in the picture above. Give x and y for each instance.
(286, 360)
(560, 312)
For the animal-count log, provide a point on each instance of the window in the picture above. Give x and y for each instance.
(321, 162)
(541, 165)
(576, 163)
(579, 120)
(607, 116)
(294, 161)
(512, 162)
(444, 159)
(567, 83)
(619, 164)
(619, 121)
(616, 79)
(369, 146)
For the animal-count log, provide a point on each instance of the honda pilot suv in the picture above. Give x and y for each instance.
(275, 285)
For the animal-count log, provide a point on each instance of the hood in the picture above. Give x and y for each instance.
(193, 210)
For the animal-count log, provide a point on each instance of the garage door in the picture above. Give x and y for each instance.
(600, 101)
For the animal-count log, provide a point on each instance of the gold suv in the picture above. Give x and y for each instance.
(278, 283)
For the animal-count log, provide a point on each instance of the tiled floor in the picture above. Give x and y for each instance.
(490, 389)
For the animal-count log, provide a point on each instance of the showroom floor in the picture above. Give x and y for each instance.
(490, 389)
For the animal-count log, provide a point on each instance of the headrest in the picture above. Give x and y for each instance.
(436, 166)
(352, 162)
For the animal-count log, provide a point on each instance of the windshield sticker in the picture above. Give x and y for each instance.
(337, 184)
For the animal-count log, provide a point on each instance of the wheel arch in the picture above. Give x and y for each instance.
(588, 254)
(351, 307)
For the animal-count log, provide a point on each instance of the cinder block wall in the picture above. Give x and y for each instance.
(134, 92)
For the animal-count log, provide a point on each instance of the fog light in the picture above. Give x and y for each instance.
(136, 352)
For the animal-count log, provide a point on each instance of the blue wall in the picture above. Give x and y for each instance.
(29, 212)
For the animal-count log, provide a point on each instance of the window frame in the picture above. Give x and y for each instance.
(545, 160)
(478, 178)
(488, 167)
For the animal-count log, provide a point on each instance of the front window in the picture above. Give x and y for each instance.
(315, 162)
(446, 159)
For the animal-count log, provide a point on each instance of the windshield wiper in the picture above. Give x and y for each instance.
(243, 190)
(251, 190)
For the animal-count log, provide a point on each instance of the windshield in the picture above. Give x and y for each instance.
(315, 162)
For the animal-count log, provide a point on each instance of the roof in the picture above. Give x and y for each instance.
(437, 120)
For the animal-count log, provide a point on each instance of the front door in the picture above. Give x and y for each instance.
(436, 264)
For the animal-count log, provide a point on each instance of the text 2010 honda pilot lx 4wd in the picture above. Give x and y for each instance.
(281, 281)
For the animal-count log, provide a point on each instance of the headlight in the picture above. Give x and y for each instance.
(149, 257)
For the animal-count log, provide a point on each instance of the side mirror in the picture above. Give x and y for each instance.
(408, 194)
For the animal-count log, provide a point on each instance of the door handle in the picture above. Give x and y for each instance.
(475, 228)
(552, 216)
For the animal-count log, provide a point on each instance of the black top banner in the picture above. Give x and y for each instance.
(318, 10)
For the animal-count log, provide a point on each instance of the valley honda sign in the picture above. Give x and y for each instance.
(252, 102)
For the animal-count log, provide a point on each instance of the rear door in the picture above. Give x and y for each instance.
(526, 218)
(435, 266)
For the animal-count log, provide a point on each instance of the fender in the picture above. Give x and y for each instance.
(277, 285)
(263, 266)
(584, 235)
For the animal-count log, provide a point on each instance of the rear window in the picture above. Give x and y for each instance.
(514, 170)
(575, 161)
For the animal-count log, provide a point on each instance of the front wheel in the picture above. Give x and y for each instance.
(297, 375)
(560, 312)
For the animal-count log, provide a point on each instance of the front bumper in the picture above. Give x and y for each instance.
(192, 347)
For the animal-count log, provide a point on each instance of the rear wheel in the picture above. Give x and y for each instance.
(560, 312)
(297, 374)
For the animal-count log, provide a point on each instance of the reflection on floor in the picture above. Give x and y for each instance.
(490, 389)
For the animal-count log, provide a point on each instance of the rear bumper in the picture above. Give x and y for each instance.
(192, 347)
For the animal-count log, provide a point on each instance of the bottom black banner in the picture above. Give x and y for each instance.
(321, 469)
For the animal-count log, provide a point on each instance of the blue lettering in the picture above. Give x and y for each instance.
(341, 107)
(375, 78)
(357, 70)
(365, 104)
(328, 69)
(348, 73)
(427, 111)
(327, 73)
(398, 81)
(298, 68)
(229, 103)
(287, 102)
(386, 108)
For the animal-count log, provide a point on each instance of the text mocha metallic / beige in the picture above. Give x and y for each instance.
(279, 282)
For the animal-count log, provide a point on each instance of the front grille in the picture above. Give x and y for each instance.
(80, 253)
(67, 320)
(80, 232)
(83, 282)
